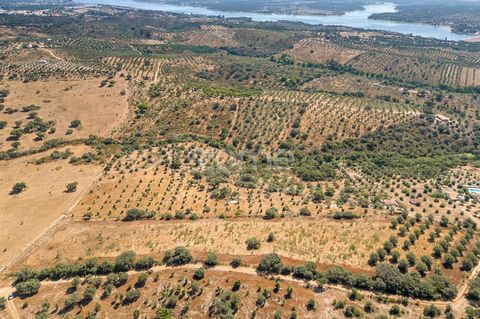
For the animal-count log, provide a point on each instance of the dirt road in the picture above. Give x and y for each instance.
(52, 54)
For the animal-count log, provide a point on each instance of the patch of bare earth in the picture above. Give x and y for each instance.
(320, 50)
(214, 36)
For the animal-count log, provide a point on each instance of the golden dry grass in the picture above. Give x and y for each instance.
(100, 110)
(324, 240)
(24, 216)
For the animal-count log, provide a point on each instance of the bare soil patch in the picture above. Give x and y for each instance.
(320, 50)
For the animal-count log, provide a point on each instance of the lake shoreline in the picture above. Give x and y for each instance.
(475, 38)
(358, 19)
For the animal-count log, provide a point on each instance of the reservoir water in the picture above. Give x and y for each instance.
(355, 19)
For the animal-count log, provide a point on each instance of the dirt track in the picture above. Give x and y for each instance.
(52, 54)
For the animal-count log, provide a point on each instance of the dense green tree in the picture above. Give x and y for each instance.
(72, 187)
(28, 288)
(431, 311)
(142, 279)
(252, 243)
(180, 256)
(271, 213)
(211, 260)
(270, 263)
(18, 188)
(236, 262)
(125, 261)
(199, 273)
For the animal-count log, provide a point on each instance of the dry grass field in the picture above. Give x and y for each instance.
(324, 241)
(44, 111)
(63, 102)
(26, 215)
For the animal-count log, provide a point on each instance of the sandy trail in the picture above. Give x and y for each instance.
(52, 54)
